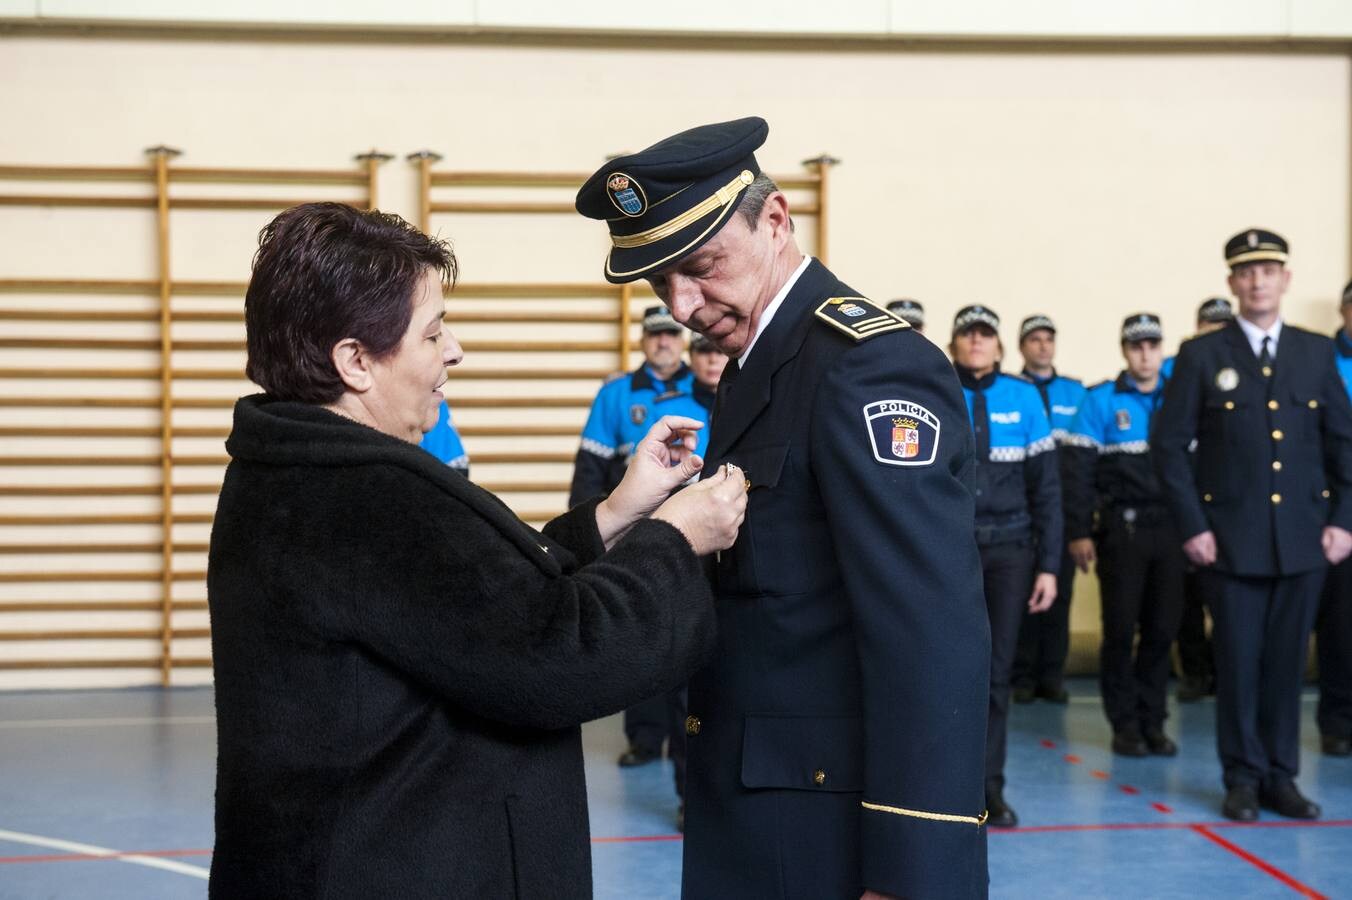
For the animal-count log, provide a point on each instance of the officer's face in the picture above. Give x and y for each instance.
(1143, 359)
(708, 366)
(977, 348)
(662, 351)
(722, 288)
(1038, 348)
(1259, 287)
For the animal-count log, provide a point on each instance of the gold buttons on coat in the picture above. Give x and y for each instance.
(1276, 465)
(1273, 404)
(1267, 371)
(692, 725)
(1229, 404)
(1314, 404)
(1206, 497)
(1276, 434)
(819, 777)
(1276, 498)
(1324, 493)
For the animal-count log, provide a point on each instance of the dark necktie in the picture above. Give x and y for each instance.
(1265, 357)
(981, 426)
(730, 373)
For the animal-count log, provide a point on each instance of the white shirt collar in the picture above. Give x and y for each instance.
(770, 310)
(1256, 334)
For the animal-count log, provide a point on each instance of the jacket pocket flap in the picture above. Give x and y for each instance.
(762, 465)
(810, 753)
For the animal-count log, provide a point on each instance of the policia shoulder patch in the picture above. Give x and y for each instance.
(859, 318)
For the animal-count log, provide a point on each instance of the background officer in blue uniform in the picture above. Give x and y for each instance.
(621, 414)
(627, 405)
(1264, 511)
(1334, 626)
(912, 312)
(1197, 670)
(1044, 638)
(1018, 515)
(835, 740)
(443, 442)
(1108, 476)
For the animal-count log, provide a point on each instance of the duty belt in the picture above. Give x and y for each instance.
(1003, 530)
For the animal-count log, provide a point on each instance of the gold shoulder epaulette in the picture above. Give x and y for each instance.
(859, 318)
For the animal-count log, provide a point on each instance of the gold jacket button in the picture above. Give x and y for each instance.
(1276, 465)
(1272, 404)
(692, 725)
(1206, 497)
(1276, 498)
(1314, 404)
(1267, 371)
(1276, 434)
(1324, 493)
(819, 777)
(1229, 404)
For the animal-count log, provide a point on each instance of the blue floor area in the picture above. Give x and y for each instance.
(86, 774)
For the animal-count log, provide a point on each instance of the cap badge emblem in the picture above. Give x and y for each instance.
(1253, 239)
(626, 194)
(1227, 379)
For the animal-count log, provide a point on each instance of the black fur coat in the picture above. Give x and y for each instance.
(402, 665)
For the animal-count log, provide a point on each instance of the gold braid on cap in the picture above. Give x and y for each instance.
(721, 197)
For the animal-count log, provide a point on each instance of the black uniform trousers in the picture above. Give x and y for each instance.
(1007, 574)
(1044, 638)
(1334, 628)
(1140, 569)
(1194, 647)
(1261, 634)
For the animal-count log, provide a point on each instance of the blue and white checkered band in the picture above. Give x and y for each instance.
(1033, 324)
(977, 315)
(902, 433)
(626, 194)
(1143, 328)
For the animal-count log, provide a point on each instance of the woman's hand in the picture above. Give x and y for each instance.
(710, 512)
(663, 461)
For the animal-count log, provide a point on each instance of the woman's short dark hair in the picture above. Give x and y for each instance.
(325, 272)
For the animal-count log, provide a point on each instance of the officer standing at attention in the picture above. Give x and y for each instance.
(1197, 675)
(623, 411)
(835, 738)
(443, 442)
(909, 311)
(1044, 639)
(1109, 476)
(1334, 625)
(1264, 512)
(1018, 515)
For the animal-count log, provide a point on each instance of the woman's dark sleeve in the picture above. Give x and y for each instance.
(576, 530)
(453, 602)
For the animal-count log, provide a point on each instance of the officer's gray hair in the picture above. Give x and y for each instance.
(753, 200)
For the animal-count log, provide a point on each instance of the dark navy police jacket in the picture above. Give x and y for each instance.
(836, 742)
(1274, 454)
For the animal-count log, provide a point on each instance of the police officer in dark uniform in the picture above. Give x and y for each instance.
(835, 741)
(1018, 515)
(1109, 477)
(1197, 670)
(1334, 625)
(1044, 638)
(912, 312)
(1265, 511)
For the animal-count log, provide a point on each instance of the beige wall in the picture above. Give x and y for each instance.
(1086, 186)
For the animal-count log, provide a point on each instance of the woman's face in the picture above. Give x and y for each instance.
(977, 349)
(405, 396)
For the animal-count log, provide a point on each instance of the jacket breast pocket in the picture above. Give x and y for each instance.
(1225, 416)
(804, 753)
(762, 467)
(1307, 412)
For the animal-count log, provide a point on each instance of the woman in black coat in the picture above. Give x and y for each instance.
(401, 664)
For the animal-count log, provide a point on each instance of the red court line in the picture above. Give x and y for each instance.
(1162, 807)
(1260, 864)
(1166, 826)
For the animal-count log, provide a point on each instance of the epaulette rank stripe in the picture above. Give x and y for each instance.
(851, 315)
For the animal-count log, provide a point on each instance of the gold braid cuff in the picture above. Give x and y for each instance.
(978, 821)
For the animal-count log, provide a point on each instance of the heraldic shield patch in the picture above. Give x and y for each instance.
(902, 433)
